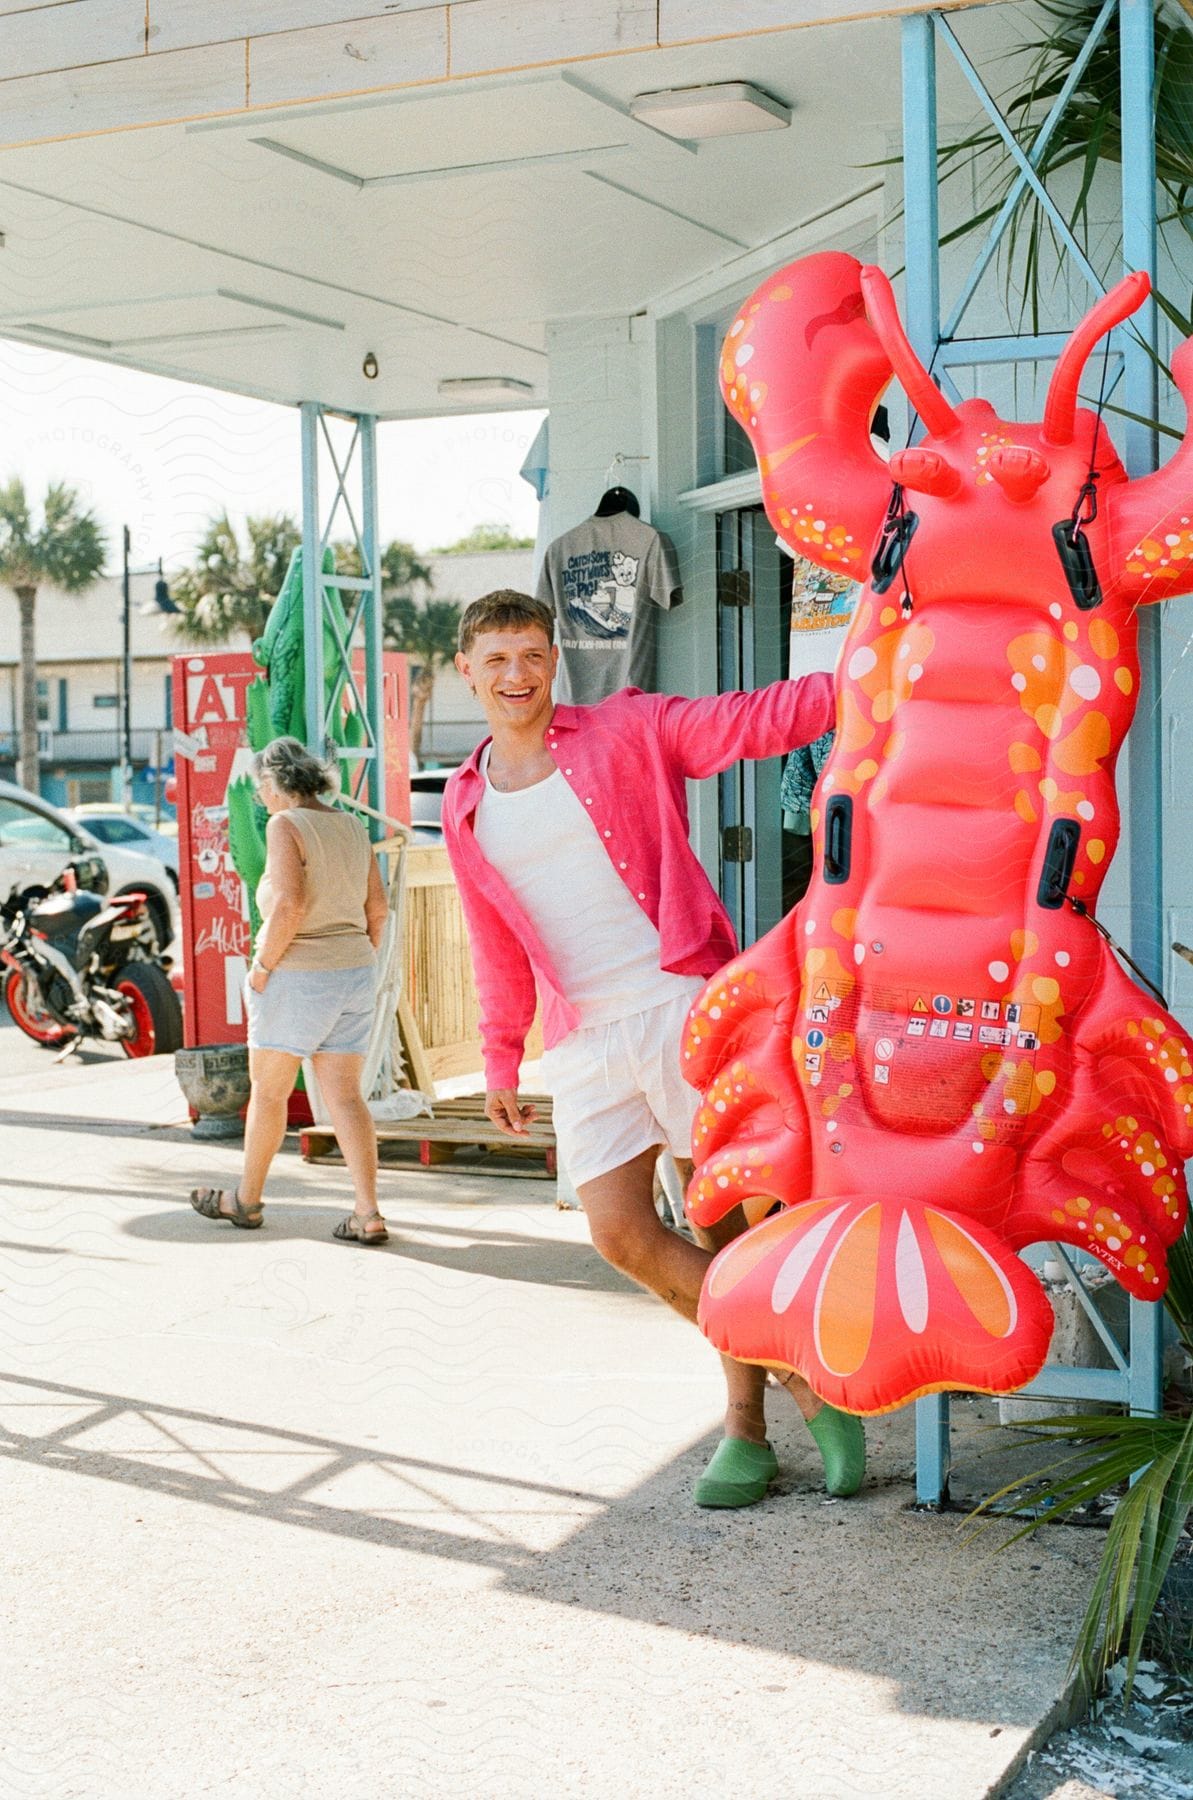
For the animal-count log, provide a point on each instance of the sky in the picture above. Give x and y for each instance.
(163, 456)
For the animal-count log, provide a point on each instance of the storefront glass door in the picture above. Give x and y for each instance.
(754, 628)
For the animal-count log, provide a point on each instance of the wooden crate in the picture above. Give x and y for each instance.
(458, 1128)
(439, 986)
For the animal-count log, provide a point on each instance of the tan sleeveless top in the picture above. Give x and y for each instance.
(337, 854)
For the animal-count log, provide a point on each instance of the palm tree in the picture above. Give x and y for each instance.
(229, 589)
(401, 570)
(427, 633)
(1150, 1460)
(490, 534)
(1087, 135)
(67, 551)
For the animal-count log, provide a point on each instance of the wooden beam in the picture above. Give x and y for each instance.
(178, 24)
(348, 58)
(517, 34)
(150, 90)
(90, 31)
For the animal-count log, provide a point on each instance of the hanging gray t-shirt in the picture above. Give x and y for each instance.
(601, 578)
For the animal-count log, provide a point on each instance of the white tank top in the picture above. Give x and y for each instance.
(604, 948)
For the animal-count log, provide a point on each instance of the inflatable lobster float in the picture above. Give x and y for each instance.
(936, 1059)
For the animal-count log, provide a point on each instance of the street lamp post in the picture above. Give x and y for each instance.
(126, 721)
(161, 603)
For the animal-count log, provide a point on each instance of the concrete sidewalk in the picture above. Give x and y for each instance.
(286, 1518)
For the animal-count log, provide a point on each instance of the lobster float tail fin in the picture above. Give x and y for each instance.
(802, 371)
(876, 1301)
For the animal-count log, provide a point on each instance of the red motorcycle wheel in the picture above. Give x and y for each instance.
(27, 1013)
(155, 1009)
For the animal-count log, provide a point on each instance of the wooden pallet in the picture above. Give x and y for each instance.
(459, 1126)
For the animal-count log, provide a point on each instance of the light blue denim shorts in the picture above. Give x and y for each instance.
(304, 1011)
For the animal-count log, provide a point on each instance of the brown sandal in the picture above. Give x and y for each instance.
(207, 1202)
(351, 1231)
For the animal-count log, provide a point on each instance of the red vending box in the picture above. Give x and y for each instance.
(210, 750)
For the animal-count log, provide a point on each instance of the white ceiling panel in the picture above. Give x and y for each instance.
(440, 229)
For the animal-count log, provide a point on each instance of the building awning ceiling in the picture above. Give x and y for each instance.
(438, 224)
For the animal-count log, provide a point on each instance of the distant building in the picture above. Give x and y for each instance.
(79, 640)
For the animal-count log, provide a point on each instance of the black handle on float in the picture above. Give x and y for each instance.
(1072, 546)
(838, 836)
(1059, 858)
(898, 529)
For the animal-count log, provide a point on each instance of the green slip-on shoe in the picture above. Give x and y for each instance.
(738, 1474)
(841, 1440)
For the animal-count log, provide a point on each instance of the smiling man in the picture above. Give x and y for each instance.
(568, 834)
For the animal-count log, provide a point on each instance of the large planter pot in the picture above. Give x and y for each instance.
(215, 1081)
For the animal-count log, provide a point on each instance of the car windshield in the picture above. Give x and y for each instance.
(21, 825)
(111, 830)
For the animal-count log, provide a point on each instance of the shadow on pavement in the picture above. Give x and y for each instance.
(500, 1255)
(865, 1586)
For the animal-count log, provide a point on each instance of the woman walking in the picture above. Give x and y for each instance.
(311, 986)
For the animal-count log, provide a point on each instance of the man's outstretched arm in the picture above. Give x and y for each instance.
(708, 735)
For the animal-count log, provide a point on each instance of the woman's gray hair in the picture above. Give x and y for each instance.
(293, 770)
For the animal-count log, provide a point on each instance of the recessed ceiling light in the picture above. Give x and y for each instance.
(720, 109)
(485, 387)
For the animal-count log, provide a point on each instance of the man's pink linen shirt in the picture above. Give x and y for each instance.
(626, 760)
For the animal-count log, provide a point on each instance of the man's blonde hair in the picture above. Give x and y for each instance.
(505, 609)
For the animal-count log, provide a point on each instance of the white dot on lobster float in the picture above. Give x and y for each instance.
(998, 970)
(977, 1146)
(742, 355)
(1018, 682)
(1170, 1074)
(722, 1181)
(859, 953)
(830, 1124)
(1063, 958)
(1054, 609)
(714, 1012)
(1084, 809)
(810, 927)
(1086, 681)
(861, 662)
(915, 671)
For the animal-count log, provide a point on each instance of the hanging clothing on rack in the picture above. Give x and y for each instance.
(602, 578)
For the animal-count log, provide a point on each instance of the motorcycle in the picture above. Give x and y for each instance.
(76, 966)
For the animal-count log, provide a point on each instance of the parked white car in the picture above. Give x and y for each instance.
(134, 830)
(37, 841)
(426, 804)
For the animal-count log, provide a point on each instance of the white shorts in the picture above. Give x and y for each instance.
(617, 1090)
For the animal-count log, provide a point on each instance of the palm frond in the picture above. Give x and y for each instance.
(1155, 1457)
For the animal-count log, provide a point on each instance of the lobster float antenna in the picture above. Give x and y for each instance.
(921, 390)
(1060, 408)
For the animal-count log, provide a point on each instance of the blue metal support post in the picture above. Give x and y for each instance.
(312, 589)
(374, 694)
(338, 631)
(922, 306)
(1137, 54)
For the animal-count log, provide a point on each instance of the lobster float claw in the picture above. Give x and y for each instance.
(802, 371)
